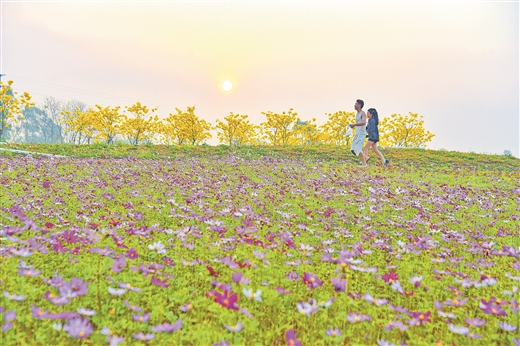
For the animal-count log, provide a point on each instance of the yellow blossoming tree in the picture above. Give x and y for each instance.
(11, 106)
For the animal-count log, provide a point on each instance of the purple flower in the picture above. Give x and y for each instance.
(236, 328)
(221, 343)
(141, 336)
(128, 287)
(340, 285)
(354, 317)
(29, 272)
(119, 264)
(10, 315)
(115, 340)
(311, 280)
(158, 282)
(186, 307)
(282, 290)
(7, 326)
(333, 332)
(78, 327)
(516, 342)
(292, 276)
(473, 335)
(455, 302)
(396, 324)
(491, 309)
(476, 322)
(13, 296)
(85, 312)
(507, 327)
(115, 291)
(290, 337)
(368, 297)
(132, 307)
(141, 318)
(458, 329)
(167, 327)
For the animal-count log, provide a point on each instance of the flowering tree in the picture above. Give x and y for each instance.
(278, 129)
(236, 130)
(185, 127)
(336, 127)
(142, 126)
(11, 106)
(404, 131)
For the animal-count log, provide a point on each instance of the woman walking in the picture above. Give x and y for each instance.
(373, 135)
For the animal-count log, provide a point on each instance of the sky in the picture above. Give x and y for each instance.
(456, 63)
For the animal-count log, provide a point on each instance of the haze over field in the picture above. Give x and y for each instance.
(457, 64)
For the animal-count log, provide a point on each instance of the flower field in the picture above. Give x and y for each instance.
(241, 248)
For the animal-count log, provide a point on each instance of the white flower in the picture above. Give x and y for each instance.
(57, 326)
(249, 294)
(116, 291)
(157, 246)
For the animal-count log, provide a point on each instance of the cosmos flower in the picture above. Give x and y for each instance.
(290, 337)
(507, 327)
(249, 294)
(227, 300)
(85, 312)
(353, 317)
(132, 307)
(458, 329)
(186, 307)
(311, 280)
(29, 272)
(141, 318)
(340, 285)
(128, 287)
(78, 327)
(161, 283)
(115, 340)
(157, 246)
(238, 327)
(476, 322)
(119, 264)
(282, 290)
(167, 327)
(333, 332)
(396, 324)
(142, 336)
(13, 296)
(368, 297)
(115, 291)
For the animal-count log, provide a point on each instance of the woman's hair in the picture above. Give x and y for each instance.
(374, 115)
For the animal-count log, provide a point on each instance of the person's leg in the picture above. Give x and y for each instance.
(365, 150)
(376, 150)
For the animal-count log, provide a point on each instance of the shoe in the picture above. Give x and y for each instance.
(353, 152)
(387, 162)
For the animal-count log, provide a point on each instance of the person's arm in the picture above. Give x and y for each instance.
(363, 121)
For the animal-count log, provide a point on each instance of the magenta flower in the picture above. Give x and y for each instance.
(290, 337)
(169, 262)
(235, 328)
(167, 327)
(311, 280)
(390, 277)
(132, 307)
(141, 336)
(119, 264)
(141, 318)
(78, 327)
(161, 283)
(226, 300)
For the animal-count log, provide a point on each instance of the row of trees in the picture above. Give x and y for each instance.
(75, 122)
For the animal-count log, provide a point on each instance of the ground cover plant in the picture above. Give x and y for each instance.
(259, 247)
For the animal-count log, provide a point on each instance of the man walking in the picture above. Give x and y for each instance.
(361, 132)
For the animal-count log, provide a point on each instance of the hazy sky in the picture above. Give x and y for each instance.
(455, 63)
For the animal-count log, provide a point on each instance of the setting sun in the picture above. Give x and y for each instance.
(227, 85)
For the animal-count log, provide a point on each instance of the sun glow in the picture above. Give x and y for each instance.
(227, 85)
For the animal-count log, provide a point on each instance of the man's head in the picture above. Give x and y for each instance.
(359, 105)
